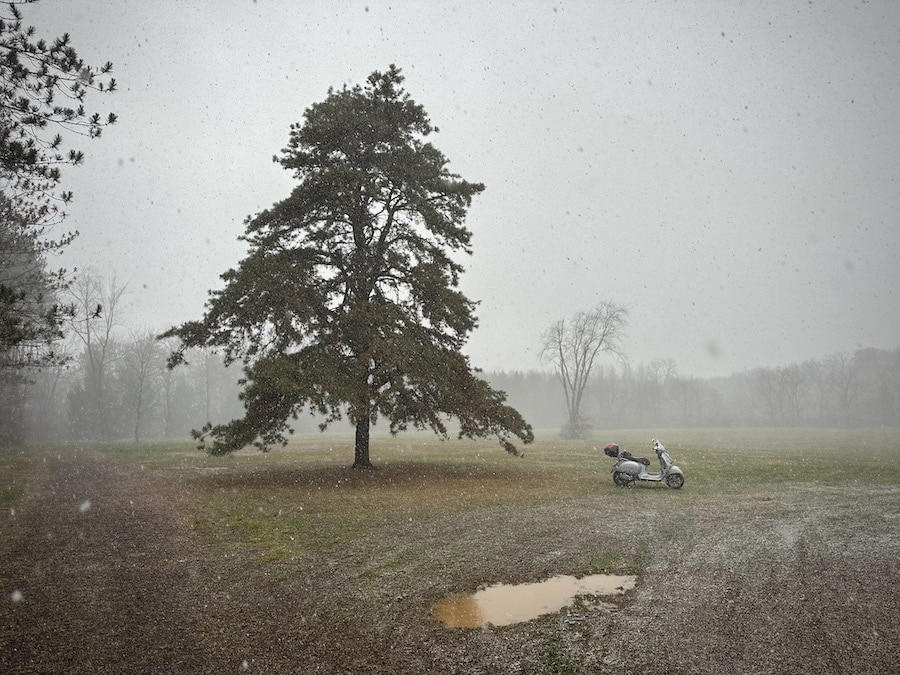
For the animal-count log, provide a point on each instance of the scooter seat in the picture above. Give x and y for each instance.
(640, 460)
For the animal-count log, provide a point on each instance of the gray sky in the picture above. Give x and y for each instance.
(728, 171)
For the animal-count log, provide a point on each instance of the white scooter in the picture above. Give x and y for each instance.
(628, 468)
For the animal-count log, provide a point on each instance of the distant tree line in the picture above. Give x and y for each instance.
(110, 380)
(861, 389)
(129, 396)
(116, 387)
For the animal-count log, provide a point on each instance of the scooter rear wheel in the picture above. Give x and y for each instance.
(622, 479)
(675, 480)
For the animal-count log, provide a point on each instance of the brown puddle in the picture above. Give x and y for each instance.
(502, 605)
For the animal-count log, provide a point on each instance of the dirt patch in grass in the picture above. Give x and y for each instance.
(121, 562)
(94, 573)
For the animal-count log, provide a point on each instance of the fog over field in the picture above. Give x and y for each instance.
(729, 172)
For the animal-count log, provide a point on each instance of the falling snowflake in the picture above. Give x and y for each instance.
(16, 596)
(85, 506)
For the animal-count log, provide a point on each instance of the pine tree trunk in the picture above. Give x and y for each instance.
(361, 458)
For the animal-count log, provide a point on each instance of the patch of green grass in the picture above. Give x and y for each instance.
(464, 513)
(604, 562)
(745, 461)
(154, 453)
(11, 487)
(304, 499)
(555, 657)
(18, 469)
(20, 472)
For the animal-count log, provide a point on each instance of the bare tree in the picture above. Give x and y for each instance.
(820, 389)
(612, 395)
(215, 379)
(688, 392)
(651, 383)
(144, 359)
(47, 420)
(209, 360)
(844, 383)
(795, 384)
(94, 324)
(767, 389)
(167, 378)
(879, 374)
(572, 347)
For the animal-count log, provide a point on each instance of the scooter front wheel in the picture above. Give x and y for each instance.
(675, 480)
(622, 479)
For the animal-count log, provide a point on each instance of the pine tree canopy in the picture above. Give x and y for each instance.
(44, 86)
(347, 303)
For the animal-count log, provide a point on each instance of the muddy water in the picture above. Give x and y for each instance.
(502, 605)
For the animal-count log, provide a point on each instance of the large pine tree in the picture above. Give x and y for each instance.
(347, 302)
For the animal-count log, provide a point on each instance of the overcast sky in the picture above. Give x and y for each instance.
(728, 171)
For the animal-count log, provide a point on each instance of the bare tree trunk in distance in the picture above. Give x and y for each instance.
(96, 306)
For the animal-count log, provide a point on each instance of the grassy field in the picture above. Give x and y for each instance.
(367, 554)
